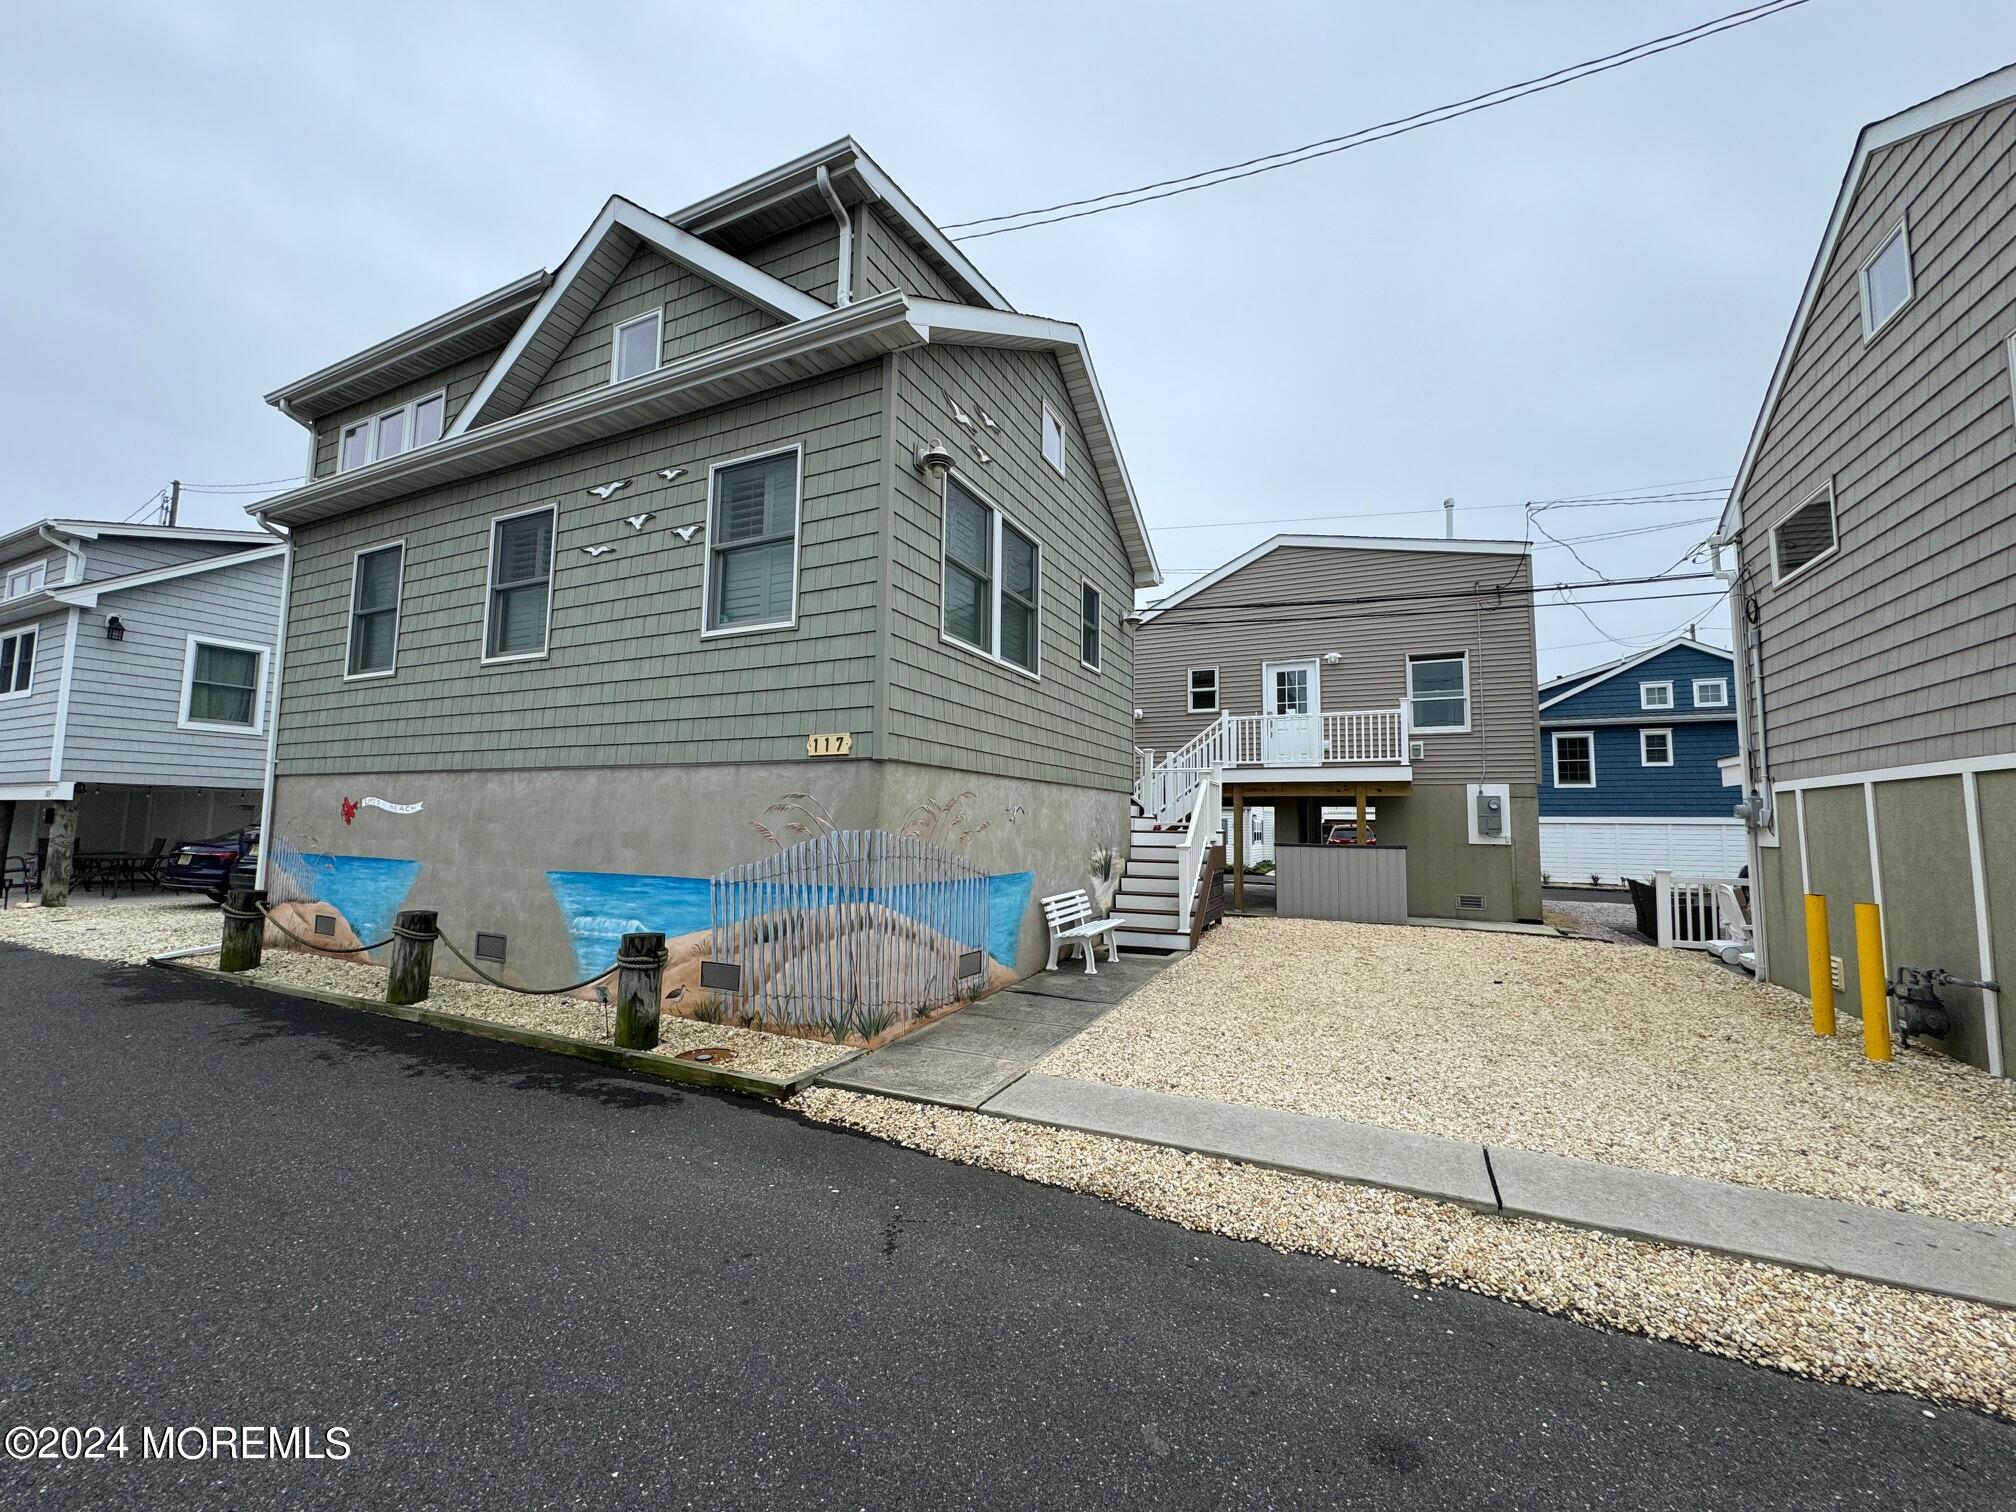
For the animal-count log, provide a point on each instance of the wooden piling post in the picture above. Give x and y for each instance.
(56, 867)
(244, 930)
(411, 977)
(640, 989)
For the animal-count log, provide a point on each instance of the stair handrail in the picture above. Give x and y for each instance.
(1197, 844)
(1175, 778)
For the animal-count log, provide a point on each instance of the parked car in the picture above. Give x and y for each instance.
(208, 866)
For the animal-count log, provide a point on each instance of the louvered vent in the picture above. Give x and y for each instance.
(1470, 902)
(489, 947)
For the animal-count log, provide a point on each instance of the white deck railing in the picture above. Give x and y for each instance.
(1341, 738)
(1695, 913)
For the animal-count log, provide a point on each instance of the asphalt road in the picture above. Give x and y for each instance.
(518, 1281)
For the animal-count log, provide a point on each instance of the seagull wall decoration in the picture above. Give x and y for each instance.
(988, 421)
(669, 474)
(961, 416)
(607, 491)
(686, 532)
(595, 551)
(636, 522)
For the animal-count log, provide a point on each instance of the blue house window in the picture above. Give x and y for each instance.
(1574, 759)
(1655, 748)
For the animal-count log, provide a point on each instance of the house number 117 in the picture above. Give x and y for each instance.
(829, 745)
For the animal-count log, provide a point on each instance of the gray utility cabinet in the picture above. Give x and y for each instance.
(1366, 884)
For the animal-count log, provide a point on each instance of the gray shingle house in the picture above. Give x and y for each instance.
(135, 678)
(755, 522)
(1874, 529)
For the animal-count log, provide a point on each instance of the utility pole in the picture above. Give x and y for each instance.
(174, 500)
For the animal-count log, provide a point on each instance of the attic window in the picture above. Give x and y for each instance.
(1886, 281)
(22, 581)
(1053, 439)
(390, 432)
(637, 346)
(1655, 695)
(1711, 692)
(1804, 537)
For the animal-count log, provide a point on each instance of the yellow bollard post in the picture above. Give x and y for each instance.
(1819, 964)
(1875, 997)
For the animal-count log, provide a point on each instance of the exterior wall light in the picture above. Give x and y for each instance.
(115, 628)
(934, 460)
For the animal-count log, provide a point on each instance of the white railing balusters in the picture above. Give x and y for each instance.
(1350, 737)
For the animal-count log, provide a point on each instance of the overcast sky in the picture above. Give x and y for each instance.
(1580, 293)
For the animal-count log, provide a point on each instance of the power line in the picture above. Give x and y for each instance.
(1423, 595)
(249, 483)
(1435, 115)
(1422, 611)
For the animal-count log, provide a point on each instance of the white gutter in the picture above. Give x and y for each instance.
(70, 549)
(273, 722)
(843, 281)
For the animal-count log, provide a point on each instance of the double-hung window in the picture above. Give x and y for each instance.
(1655, 695)
(17, 663)
(391, 432)
(992, 577)
(1886, 281)
(1574, 759)
(520, 604)
(752, 546)
(221, 685)
(1655, 748)
(1203, 690)
(24, 580)
(1090, 601)
(636, 346)
(374, 611)
(1438, 687)
(1711, 692)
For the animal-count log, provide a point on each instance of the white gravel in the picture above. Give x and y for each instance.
(121, 931)
(1656, 1059)
(1825, 1327)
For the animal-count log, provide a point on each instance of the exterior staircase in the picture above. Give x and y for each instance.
(1166, 880)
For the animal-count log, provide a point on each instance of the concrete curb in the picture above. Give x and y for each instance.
(691, 1073)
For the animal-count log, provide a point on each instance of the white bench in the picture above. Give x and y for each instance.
(1069, 916)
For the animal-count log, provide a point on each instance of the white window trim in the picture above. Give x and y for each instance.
(1098, 619)
(1469, 710)
(258, 725)
(1720, 683)
(2012, 377)
(1554, 772)
(411, 409)
(1645, 695)
(1643, 758)
(1900, 229)
(790, 622)
(657, 347)
(1050, 418)
(1190, 696)
(1001, 517)
(35, 629)
(490, 587)
(1825, 490)
(398, 610)
(18, 567)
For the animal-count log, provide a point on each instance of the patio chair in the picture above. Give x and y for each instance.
(1736, 942)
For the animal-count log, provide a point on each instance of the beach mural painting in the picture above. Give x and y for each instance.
(365, 893)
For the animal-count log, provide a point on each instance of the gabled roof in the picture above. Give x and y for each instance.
(1981, 94)
(92, 530)
(596, 262)
(788, 196)
(1335, 543)
(1567, 687)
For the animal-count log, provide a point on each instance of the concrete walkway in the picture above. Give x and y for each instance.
(971, 1055)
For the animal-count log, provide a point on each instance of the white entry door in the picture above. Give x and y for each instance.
(1291, 729)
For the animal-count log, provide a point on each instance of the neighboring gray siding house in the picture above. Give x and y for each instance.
(632, 573)
(135, 682)
(1874, 526)
(1315, 673)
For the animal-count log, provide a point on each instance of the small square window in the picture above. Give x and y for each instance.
(1574, 759)
(1655, 748)
(1886, 281)
(1203, 690)
(1053, 439)
(222, 686)
(637, 346)
(427, 417)
(1711, 692)
(1655, 695)
(23, 581)
(354, 450)
(1804, 536)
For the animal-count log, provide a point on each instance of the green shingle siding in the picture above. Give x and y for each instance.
(627, 679)
(806, 258)
(461, 379)
(888, 262)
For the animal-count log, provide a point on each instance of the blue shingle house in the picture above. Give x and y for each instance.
(1629, 780)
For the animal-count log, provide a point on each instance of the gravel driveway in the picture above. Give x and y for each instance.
(1657, 1059)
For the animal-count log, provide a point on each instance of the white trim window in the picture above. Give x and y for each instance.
(1655, 748)
(1655, 695)
(1575, 766)
(1053, 439)
(223, 686)
(1203, 690)
(636, 346)
(751, 575)
(17, 661)
(21, 581)
(1091, 627)
(518, 603)
(390, 432)
(1886, 281)
(1711, 692)
(993, 572)
(1805, 535)
(2012, 376)
(1438, 688)
(376, 577)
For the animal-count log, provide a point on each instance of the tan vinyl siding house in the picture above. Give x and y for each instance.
(649, 739)
(1880, 694)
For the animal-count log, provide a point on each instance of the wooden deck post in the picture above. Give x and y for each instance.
(640, 989)
(62, 850)
(1238, 850)
(1358, 816)
(411, 977)
(244, 930)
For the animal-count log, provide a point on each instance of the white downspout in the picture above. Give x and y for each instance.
(843, 281)
(1760, 809)
(74, 573)
(273, 719)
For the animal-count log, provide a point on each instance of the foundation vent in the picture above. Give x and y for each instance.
(1834, 971)
(1417, 750)
(1470, 902)
(325, 924)
(490, 947)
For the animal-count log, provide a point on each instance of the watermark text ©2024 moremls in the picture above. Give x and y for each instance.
(223, 1441)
